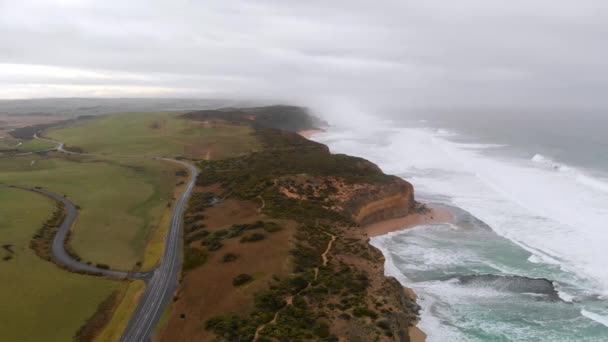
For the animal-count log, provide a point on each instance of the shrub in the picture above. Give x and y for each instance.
(271, 227)
(229, 257)
(193, 258)
(214, 245)
(253, 238)
(321, 329)
(242, 279)
(197, 236)
(364, 311)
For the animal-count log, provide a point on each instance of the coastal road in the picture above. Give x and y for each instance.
(162, 282)
(161, 286)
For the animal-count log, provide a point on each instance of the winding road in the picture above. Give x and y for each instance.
(161, 282)
(58, 247)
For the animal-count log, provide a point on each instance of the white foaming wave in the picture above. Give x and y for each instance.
(475, 146)
(563, 295)
(541, 258)
(445, 132)
(595, 317)
(578, 175)
(555, 215)
(432, 326)
(390, 269)
(552, 216)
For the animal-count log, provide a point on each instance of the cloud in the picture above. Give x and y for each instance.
(410, 53)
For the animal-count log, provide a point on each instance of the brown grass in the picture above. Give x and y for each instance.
(207, 291)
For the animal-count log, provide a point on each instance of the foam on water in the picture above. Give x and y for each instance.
(548, 213)
(596, 317)
(553, 215)
(574, 173)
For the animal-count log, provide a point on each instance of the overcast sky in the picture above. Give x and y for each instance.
(418, 53)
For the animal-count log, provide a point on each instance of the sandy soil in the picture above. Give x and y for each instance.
(435, 215)
(310, 132)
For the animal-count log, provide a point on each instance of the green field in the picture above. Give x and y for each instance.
(9, 143)
(156, 134)
(121, 200)
(38, 300)
(35, 145)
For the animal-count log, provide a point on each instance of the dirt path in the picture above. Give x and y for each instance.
(263, 204)
(328, 249)
(289, 300)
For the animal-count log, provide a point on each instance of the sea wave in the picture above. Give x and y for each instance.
(576, 174)
(602, 319)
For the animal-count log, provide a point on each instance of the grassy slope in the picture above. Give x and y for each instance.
(121, 200)
(157, 134)
(34, 293)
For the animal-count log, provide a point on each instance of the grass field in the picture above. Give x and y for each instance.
(121, 200)
(35, 294)
(35, 145)
(157, 134)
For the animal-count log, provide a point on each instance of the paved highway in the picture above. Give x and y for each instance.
(164, 280)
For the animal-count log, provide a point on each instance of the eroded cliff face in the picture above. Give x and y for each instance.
(378, 202)
(365, 203)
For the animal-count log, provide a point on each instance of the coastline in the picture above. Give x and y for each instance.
(434, 214)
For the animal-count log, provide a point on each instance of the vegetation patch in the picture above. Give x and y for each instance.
(42, 240)
(242, 279)
(253, 238)
(193, 257)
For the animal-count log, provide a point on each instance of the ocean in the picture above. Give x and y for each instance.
(527, 256)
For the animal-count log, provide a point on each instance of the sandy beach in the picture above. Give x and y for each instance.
(434, 215)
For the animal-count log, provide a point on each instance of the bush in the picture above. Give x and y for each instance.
(242, 279)
(229, 257)
(321, 329)
(214, 245)
(193, 258)
(364, 311)
(253, 238)
(271, 227)
(197, 236)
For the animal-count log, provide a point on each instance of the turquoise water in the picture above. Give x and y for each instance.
(430, 259)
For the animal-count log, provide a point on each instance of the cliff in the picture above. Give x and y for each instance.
(322, 279)
(382, 202)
